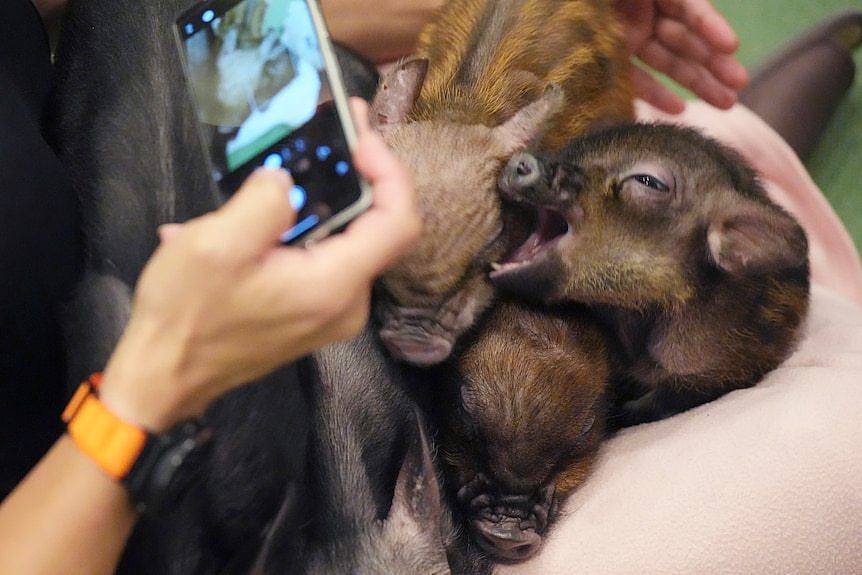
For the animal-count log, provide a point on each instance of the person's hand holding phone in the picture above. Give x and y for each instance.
(223, 302)
(267, 90)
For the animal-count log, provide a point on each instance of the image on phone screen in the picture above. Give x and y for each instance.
(264, 95)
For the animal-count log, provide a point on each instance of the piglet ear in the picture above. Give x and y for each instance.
(528, 124)
(756, 238)
(417, 491)
(396, 93)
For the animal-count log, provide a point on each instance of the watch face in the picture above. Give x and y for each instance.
(168, 465)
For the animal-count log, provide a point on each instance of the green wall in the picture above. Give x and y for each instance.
(836, 165)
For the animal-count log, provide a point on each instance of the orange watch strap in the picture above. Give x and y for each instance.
(108, 440)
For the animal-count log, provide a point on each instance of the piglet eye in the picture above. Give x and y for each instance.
(651, 182)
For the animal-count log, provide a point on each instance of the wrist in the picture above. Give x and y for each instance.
(155, 469)
(144, 382)
(114, 444)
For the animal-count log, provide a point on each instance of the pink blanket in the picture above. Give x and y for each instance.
(762, 480)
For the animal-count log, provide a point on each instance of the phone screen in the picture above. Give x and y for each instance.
(267, 91)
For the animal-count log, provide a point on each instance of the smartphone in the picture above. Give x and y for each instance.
(267, 91)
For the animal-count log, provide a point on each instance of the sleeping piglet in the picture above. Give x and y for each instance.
(530, 392)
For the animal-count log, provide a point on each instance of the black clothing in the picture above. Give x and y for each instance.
(39, 249)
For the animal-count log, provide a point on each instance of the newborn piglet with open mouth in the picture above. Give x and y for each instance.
(669, 237)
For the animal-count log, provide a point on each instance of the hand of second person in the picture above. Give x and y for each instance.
(222, 302)
(689, 41)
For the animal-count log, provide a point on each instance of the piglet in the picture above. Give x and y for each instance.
(529, 396)
(671, 238)
(490, 78)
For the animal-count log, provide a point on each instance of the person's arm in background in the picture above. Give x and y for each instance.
(382, 31)
(219, 303)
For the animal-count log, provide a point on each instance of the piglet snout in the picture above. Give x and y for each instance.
(417, 348)
(506, 540)
(522, 172)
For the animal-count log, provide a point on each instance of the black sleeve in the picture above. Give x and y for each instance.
(40, 255)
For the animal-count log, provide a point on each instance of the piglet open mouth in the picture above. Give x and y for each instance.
(550, 227)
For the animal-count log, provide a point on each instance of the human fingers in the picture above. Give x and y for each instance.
(393, 223)
(689, 74)
(688, 45)
(359, 109)
(651, 91)
(256, 215)
(375, 239)
(701, 17)
(342, 267)
(729, 71)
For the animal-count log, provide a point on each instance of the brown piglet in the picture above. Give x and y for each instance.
(490, 78)
(525, 425)
(670, 237)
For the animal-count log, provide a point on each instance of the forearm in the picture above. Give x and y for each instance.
(383, 33)
(67, 516)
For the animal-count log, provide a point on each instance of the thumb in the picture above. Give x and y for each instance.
(258, 213)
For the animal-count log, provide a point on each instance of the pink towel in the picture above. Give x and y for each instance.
(762, 480)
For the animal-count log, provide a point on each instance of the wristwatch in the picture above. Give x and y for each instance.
(157, 469)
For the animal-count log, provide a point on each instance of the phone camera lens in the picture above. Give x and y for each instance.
(208, 16)
(342, 167)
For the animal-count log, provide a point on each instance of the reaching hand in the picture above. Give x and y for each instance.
(222, 302)
(689, 41)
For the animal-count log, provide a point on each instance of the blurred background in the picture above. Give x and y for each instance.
(836, 164)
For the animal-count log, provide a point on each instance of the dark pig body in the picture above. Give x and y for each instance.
(379, 508)
(124, 126)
